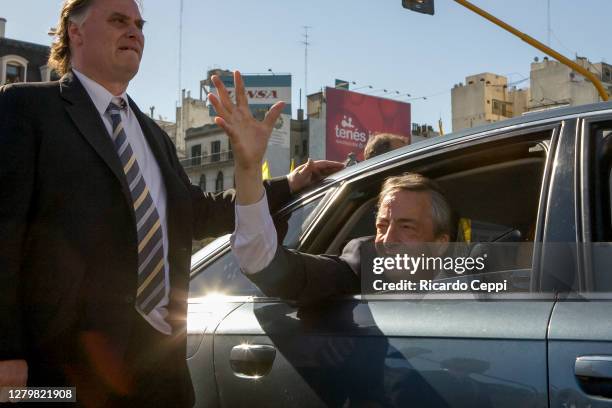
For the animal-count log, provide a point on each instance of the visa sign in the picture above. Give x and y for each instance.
(259, 94)
(262, 91)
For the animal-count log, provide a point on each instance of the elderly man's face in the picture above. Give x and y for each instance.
(405, 217)
(109, 43)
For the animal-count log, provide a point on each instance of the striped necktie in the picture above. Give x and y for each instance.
(151, 275)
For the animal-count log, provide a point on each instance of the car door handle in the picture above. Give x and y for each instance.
(252, 361)
(595, 374)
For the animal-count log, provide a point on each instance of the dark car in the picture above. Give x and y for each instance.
(544, 180)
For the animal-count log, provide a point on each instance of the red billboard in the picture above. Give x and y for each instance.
(352, 118)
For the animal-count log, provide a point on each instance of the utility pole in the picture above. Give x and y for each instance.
(549, 27)
(180, 56)
(306, 44)
(427, 7)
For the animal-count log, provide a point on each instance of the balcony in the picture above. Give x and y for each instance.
(211, 160)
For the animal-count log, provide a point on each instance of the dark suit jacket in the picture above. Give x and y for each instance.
(308, 279)
(68, 243)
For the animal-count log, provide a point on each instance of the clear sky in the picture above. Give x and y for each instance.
(371, 42)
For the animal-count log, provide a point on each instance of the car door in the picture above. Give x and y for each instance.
(440, 351)
(213, 294)
(580, 333)
(217, 287)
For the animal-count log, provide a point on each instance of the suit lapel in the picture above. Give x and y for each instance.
(87, 119)
(161, 155)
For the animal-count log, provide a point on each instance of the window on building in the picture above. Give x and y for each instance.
(230, 152)
(15, 72)
(196, 155)
(502, 108)
(219, 182)
(203, 182)
(215, 151)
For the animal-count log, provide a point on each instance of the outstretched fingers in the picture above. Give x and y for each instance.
(241, 98)
(222, 94)
(273, 114)
(219, 108)
(229, 130)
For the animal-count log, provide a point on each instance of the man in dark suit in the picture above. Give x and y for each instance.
(96, 222)
(412, 211)
(413, 215)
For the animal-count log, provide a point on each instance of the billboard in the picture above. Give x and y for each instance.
(263, 91)
(352, 118)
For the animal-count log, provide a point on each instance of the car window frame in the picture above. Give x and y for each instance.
(584, 203)
(555, 127)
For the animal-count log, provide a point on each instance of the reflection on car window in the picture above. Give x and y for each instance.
(297, 223)
(223, 276)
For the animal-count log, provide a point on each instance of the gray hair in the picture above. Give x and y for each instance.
(441, 212)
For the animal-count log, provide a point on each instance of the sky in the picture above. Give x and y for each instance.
(370, 42)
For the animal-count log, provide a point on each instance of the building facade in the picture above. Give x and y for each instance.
(299, 138)
(210, 161)
(421, 132)
(485, 98)
(192, 113)
(22, 61)
(488, 97)
(554, 84)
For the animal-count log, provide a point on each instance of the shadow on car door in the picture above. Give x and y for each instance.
(385, 353)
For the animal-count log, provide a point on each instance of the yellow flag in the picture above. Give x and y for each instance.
(265, 171)
(292, 166)
(465, 229)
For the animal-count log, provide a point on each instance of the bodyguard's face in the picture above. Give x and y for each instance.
(108, 45)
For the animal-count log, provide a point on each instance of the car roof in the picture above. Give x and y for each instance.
(551, 115)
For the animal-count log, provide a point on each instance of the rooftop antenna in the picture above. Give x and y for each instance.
(549, 29)
(306, 44)
(180, 52)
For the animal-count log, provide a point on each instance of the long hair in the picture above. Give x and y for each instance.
(72, 11)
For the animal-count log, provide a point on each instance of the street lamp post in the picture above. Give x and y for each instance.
(427, 7)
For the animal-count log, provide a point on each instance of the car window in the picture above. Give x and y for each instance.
(223, 276)
(298, 222)
(598, 257)
(494, 193)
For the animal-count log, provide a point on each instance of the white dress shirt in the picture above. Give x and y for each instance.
(149, 168)
(254, 239)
